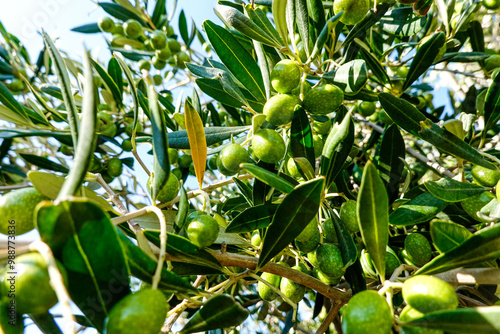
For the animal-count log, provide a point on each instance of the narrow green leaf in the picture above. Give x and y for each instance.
(161, 169)
(402, 112)
(245, 25)
(252, 218)
(337, 135)
(279, 14)
(45, 322)
(184, 249)
(244, 189)
(133, 91)
(296, 210)
(197, 141)
(116, 73)
(120, 12)
(43, 162)
(264, 67)
(220, 311)
(213, 88)
(90, 28)
(259, 17)
(350, 77)
(324, 35)
(373, 63)
(447, 235)
(476, 34)
(268, 177)
(390, 160)
(85, 145)
(316, 14)
(12, 117)
(418, 210)
(448, 142)
(402, 22)
(82, 237)
(301, 139)
(373, 219)
(347, 246)
(484, 320)
(159, 12)
(453, 191)
(484, 245)
(236, 58)
(11, 104)
(183, 29)
(143, 267)
(65, 84)
(370, 19)
(109, 82)
(424, 58)
(302, 18)
(492, 104)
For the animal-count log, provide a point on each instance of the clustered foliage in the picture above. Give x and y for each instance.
(307, 182)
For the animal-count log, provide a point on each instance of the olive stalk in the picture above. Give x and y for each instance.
(57, 283)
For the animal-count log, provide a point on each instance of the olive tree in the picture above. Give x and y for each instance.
(301, 175)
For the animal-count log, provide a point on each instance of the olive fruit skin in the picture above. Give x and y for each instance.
(367, 312)
(158, 40)
(418, 249)
(330, 260)
(323, 99)
(428, 294)
(144, 65)
(33, 292)
(185, 161)
(349, 216)
(268, 146)
(202, 231)
(485, 176)
(143, 312)
(279, 109)
(294, 291)
(354, 10)
(115, 167)
(285, 76)
(19, 206)
(163, 54)
(132, 28)
(170, 189)
(366, 108)
(265, 292)
(232, 156)
(106, 24)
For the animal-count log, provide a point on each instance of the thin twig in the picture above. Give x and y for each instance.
(334, 310)
(163, 244)
(57, 283)
(116, 201)
(191, 194)
(15, 186)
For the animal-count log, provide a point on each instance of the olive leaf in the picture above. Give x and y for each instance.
(220, 311)
(293, 214)
(373, 216)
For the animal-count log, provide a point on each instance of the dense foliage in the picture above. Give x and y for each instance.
(300, 173)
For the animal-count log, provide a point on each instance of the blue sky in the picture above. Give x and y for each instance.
(24, 19)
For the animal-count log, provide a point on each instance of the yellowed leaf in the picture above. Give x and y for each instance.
(197, 140)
